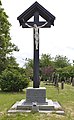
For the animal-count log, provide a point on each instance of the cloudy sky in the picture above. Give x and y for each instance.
(59, 39)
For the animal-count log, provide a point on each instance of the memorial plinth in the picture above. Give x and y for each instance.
(36, 101)
(36, 95)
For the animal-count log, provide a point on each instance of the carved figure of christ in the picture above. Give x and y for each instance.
(36, 81)
(36, 35)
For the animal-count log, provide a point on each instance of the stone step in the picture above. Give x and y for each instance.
(29, 107)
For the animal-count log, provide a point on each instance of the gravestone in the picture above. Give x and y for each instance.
(62, 85)
(35, 96)
(73, 81)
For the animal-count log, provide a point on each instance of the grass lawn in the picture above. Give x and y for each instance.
(65, 97)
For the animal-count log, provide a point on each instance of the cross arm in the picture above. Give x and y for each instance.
(48, 25)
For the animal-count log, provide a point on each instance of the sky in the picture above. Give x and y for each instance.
(57, 40)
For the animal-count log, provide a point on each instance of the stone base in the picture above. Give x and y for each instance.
(36, 101)
(52, 107)
(36, 95)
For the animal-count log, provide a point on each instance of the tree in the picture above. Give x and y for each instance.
(13, 80)
(46, 66)
(6, 47)
(47, 72)
(29, 68)
(67, 73)
(11, 62)
(28, 63)
(45, 60)
(61, 61)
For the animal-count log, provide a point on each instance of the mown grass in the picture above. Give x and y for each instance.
(65, 97)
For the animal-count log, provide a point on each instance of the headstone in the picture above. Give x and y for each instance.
(73, 82)
(62, 85)
(70, 80)
(55, 80)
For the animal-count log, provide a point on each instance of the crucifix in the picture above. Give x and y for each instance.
(35, 10)
(36, 52)
(36, 33)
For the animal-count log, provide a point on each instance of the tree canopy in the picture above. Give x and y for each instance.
(61, 61)
(6, 46)
(49, 65)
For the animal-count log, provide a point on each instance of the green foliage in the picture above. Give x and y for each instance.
(47, 65)
(29, 63)
(66, 71)
(6, 47)
(29, 68)
(13, 80)
(11, 62)
(46, 60)
(61, 61)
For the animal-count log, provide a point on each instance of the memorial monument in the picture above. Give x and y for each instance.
(35, 96)
(35, 11)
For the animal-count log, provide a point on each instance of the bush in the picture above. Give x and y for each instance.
(13, 80)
